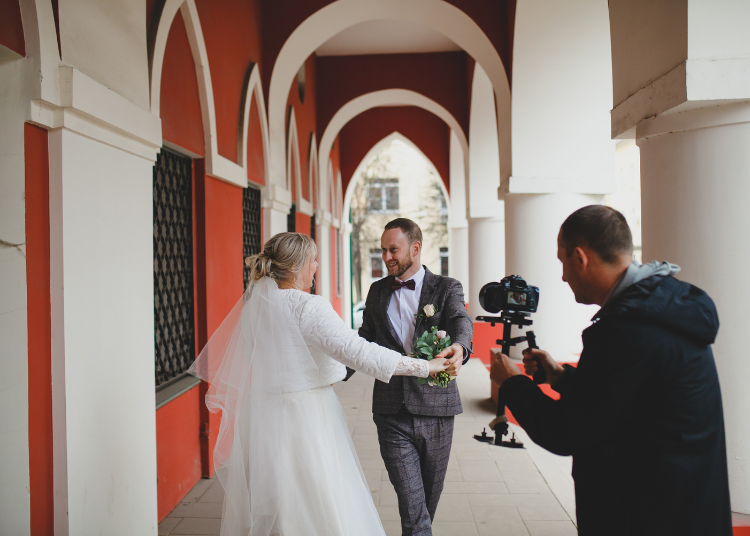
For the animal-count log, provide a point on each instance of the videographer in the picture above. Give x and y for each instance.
(641, 414)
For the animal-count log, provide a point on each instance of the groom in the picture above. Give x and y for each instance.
(415, 422)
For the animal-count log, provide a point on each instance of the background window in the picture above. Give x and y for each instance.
(377, 266)
(382, 195)
(443, 261)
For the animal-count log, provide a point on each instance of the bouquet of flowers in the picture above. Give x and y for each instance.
(427, 346)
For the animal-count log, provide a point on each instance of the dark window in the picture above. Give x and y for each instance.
(338, 263)
(443, 261)
(377, 267)
(382, 195)
(291, 219)
(174, 323)
(312, 235)
(251, 239)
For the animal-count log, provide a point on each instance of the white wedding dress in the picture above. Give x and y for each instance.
(284, 453)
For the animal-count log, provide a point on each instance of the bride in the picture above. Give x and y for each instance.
(284, 454)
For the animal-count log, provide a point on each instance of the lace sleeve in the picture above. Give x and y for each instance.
(408, 366)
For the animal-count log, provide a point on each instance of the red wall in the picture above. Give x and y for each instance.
(305, 115)
(426, 130)
(440, 76)
(36, 157)
(178, 461)
(180, 101)
(232, 32)
(11, 26)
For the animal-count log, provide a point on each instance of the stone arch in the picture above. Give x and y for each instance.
(389, 97)
(216, 165)
(253, 90)
(336, 17)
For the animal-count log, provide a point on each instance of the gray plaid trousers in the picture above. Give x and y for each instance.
(415, 449)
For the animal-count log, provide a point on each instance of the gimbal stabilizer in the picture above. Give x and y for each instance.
(500, 423)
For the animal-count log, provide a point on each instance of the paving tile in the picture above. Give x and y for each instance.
(166, 526)
(495, 520)
(209, 510)
(215, 494)
(479, 471)
(551, 528)
(392, 528)
(198, 490)
(197, 526)
(543, 513)
(388, 495)
(454, 507)
(389, 513)
(474, 487)
(513, 499)
(524, 482)
(454, 476)
(454, 528)
(373, 479)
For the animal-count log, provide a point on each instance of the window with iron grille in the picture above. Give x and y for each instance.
(338, 264)
(251, 240)
(312, 235)
(377, 266)
(382, 195)
(174, 322)
(291, 219)
(444, 261)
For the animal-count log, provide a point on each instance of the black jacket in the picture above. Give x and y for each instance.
(641, 416)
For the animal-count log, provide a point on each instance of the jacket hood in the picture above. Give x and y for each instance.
(672, 304)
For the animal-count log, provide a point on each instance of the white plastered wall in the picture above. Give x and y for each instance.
(563, 157)
(486, 213)
(458, 250)
(103, 142)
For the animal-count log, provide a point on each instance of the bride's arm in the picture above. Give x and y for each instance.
(323, 329)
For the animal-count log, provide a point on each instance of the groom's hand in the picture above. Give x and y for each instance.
(455, 355)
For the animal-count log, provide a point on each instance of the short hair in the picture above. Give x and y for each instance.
(602, 229)
(409, 228)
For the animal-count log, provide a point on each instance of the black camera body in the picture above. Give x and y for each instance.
(511, 294)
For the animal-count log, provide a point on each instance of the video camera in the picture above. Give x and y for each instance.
(510, 294)
(515, 301)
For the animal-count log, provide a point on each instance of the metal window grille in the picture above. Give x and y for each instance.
(291, 219)
(251, 239)
(174, 322)
(312, 235)
(443, 261)
(338, 263)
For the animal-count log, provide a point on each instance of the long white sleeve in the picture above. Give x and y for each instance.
(323, 329)
(409, 366)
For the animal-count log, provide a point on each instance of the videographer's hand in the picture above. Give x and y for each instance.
(533, 359)
(502, 367)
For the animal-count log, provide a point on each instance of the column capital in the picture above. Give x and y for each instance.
(694, 116)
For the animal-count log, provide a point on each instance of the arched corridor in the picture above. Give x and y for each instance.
(148, 147)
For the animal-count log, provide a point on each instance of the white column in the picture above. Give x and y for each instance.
(487, 247)
(276, 203)
(695, 193)
(563, 157)
(458, 227)
(325, 267)
(533, 222)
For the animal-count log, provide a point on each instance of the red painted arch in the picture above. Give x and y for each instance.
(11, 27)
(426, 130)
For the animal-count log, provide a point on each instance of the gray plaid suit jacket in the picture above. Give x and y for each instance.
(448, 297)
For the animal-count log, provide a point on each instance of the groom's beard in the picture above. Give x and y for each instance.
(401, 268)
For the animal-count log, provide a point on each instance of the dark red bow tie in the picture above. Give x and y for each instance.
(410, 284)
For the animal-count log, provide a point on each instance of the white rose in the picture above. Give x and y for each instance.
(429, 310)
(441, 334)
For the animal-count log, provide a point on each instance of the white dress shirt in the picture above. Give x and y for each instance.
(402, 308)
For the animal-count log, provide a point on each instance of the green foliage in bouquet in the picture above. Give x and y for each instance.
(428, 345)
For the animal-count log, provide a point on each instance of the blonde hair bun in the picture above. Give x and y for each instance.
(283, 257)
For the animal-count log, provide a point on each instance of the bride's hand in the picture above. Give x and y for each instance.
(438, 365)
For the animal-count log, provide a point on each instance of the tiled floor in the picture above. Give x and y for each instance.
(488, 490)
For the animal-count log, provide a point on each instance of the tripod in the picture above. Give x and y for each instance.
(500, 423)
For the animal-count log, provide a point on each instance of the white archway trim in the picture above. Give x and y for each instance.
(339, 199)
(216, 165)
(312, 170)
(254, 90)
(294, 167)
(379, 146)
(389, 97)
(336, 17)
